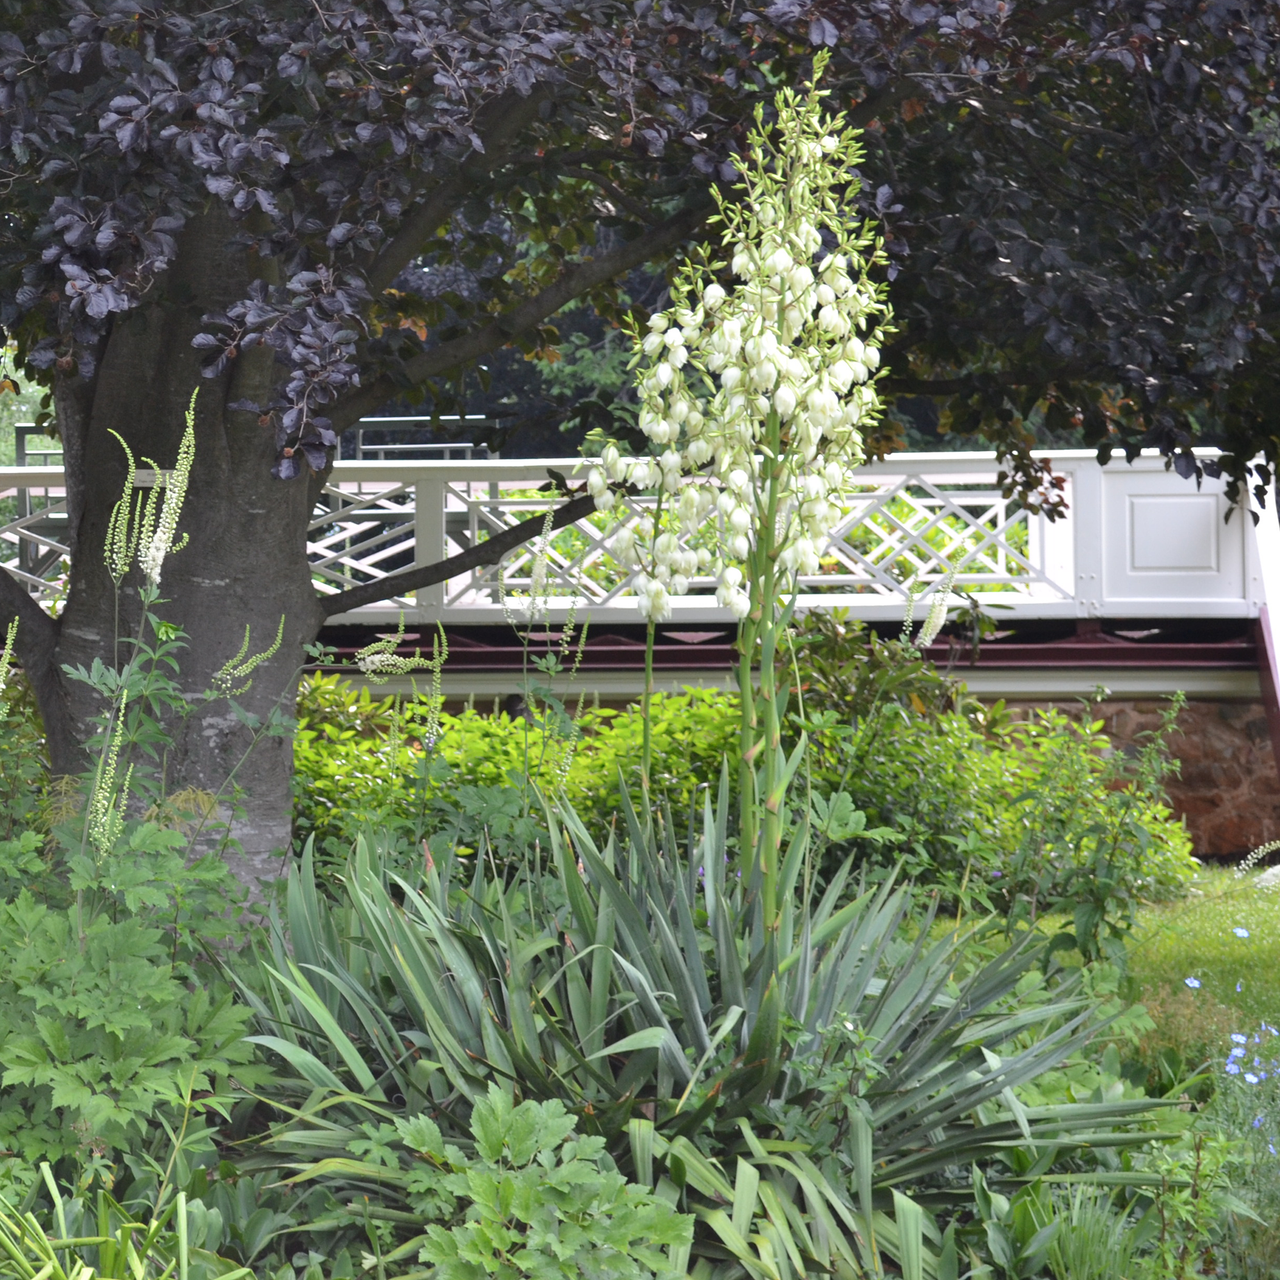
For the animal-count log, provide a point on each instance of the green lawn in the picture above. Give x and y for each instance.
(1197, 939)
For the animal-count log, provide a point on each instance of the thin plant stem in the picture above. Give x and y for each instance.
(646, 708)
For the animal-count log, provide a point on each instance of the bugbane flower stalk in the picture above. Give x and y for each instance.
(770, 377)
(6, 654)
(148, 527)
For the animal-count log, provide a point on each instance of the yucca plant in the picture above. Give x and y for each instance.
(815, 1093)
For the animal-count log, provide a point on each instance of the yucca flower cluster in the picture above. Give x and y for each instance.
(777, 369)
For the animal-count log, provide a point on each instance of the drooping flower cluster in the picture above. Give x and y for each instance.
(786, 355)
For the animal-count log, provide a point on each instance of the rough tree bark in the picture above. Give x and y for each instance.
(245, 563)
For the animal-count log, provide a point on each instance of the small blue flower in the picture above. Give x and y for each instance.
(1257, 1124)
(1235, 1053)
(1193, 983)
(1237, 1038)
(1239, 985)
(1239, 932)
(1233, 1068)
(1271, 1146)
(1250, 1077)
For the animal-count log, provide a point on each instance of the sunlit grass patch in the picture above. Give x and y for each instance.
(1220, 945)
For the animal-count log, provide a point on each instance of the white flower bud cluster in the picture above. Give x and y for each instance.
(794, 346)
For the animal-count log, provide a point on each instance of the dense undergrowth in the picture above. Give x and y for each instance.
(306, 1085)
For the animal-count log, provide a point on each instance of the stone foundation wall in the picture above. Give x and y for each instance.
(1229, 789)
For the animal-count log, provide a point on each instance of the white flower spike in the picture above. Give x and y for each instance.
(794, 340)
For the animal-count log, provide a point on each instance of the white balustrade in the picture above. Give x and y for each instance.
(1137, 541)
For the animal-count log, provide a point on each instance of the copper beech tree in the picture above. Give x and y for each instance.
(310, 210)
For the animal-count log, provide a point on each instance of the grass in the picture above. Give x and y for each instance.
(1196, 939)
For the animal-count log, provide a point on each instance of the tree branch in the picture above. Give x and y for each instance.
(972, 383)
(488, 552)
(611, 189)
(500, 124)
(499, 332)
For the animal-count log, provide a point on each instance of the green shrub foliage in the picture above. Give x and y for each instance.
(1025, 817)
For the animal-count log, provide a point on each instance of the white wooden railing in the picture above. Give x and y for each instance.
(1138, 541)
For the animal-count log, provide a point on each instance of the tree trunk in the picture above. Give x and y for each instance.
(245, 564)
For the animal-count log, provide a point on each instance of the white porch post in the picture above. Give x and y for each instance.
(430, 546)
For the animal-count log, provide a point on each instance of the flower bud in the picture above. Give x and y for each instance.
(712, 296)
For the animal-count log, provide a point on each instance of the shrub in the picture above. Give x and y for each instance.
(1028, 817)
(108, 1011)
(362, 766)
(530, 1199)
(1031, 817)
